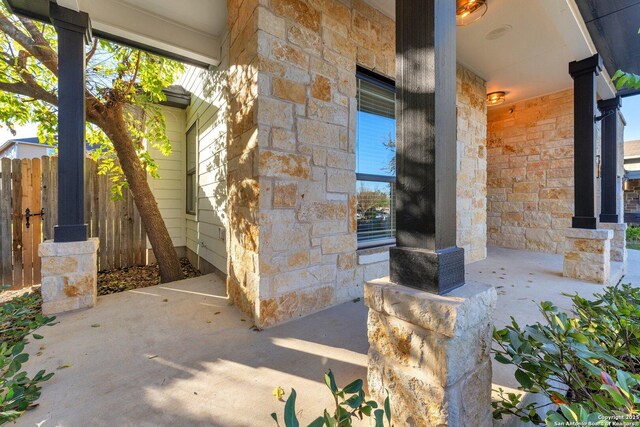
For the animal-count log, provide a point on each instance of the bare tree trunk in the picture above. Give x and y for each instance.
(163, 249)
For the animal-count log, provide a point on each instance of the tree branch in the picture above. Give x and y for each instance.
(48, 58)
(94, 47)
(135, 75)
(24, 89)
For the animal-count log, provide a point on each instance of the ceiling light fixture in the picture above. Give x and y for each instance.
(495, 98)
(469, 11)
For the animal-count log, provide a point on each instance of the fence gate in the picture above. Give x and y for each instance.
(28, 214)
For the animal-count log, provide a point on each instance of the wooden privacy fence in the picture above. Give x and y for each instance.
(28, 214)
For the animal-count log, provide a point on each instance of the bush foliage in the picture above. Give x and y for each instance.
(350, 403)
(587, 362)
(18, 391)
(633, 234)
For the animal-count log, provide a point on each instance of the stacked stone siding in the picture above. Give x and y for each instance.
(530, 173)
(632, 198)
(472, 168)
(291, 153)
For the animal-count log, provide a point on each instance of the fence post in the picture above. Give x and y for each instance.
(5, 222)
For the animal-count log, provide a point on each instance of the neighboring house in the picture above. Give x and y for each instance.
(25, 148)
(632, 182)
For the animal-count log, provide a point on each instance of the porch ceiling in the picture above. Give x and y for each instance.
(532, 57)
(192, 29)
(613, 25)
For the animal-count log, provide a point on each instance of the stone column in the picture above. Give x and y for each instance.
(431, 353)
(69, 275)
(618, 242)
(587, 254)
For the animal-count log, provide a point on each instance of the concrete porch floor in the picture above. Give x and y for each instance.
(180, 355)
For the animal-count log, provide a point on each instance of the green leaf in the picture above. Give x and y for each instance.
(290, 418)
(524, 379)
(318, 422)
(330, 381)
(387, 408)
(353, 387)
(329, 420)
(379, 414)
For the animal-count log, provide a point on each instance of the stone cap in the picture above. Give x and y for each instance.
(449, 315)
(50, 248)
(585, 233)
(614, 226)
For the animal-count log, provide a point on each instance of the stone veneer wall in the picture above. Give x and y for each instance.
(291, 153)
(472, 167)
(632, 197)
(530, 173)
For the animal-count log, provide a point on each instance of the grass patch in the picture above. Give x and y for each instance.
(634, 245)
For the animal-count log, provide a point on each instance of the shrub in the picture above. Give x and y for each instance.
(350, 403)
(574, 358)
(633, 234)
(18, 318)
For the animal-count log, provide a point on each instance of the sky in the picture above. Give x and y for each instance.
(631, 112)
(27, 131)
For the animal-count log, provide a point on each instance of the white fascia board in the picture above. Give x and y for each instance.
(139, 26)
(568, 21)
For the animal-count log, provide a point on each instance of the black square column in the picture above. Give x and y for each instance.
(584, 75)
(609, 182)
(426, 256)
(74, 32)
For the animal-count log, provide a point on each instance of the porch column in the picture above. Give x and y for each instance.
(611, 215)
(74, 32)
(584, 75)
(426, 256)
(428, 351)
(69, 262)
(587, 249)
(609, 174)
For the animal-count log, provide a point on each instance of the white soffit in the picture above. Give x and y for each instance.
(189, 28)
(532, 58)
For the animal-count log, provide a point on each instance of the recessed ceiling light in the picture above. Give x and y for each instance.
(498, 32)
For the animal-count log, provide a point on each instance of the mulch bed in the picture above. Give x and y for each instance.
(124, 279)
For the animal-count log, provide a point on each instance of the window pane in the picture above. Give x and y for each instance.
(191, 193)
(376, 213)
(376, 130)
(192, 188)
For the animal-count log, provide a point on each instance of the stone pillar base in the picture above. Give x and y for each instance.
(618, 242)
(587, 254)
(432, 353)
(69, 275)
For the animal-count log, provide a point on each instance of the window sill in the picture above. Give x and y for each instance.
(375, 254)
(381, 244)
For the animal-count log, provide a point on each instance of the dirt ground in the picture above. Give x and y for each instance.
(124, 279)
(113, 281)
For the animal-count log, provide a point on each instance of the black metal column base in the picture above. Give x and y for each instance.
(70, 233)
(609, 218)
(436, 272)
(588, 222)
